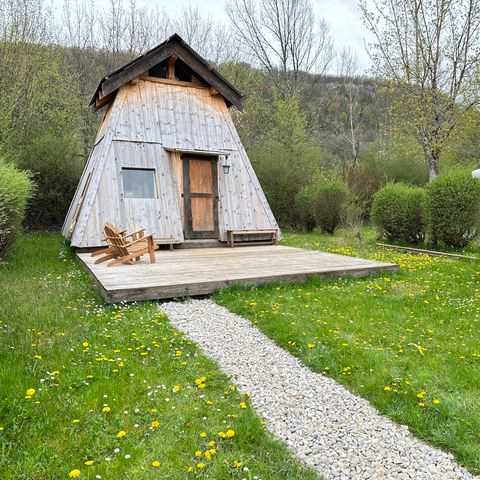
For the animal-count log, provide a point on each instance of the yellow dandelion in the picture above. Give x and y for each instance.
(200, 465)
(176, 388)
(237, 464)
(89, 462)
(230, 433)
(155, 464)
(243, 405)
(203, 434)
(155, 423)
(106, 409)
(30, 392)
(85, 344)
(212, 443)
(198, 453)
(121, 434)
(311, 345)
(387, 388)
(75, 420)
(436, 402)
(75, 473)
(190, 469)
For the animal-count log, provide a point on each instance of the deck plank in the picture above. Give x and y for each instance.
(188, 272)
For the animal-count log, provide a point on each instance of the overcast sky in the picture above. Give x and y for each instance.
(342, 15)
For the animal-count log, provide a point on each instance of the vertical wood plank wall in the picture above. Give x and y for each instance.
(147, 126)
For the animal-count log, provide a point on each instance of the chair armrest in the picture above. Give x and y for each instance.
(133, 233)
(141, 239)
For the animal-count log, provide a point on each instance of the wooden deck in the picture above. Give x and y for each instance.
(188, 272)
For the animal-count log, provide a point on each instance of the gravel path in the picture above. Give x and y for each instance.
(324, 425)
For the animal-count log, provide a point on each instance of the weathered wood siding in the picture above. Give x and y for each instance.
(147, 126)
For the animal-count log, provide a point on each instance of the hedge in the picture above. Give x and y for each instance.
(399, 212)
(454, 209)
(330, 197)
(15, 190)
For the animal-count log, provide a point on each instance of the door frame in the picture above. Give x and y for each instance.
(188, 233)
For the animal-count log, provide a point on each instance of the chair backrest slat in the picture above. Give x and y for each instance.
(114, 239)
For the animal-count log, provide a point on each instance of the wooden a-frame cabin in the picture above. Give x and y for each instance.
(167, 156)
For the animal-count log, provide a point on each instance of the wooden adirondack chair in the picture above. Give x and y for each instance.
(125, 248)
(108, 250)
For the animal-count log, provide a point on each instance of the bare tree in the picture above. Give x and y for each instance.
(79, 23)
(144, 28)
(428, 52)
(25, 21)
(282, 36)
(349, 122)
(113, 26)
(210, 38)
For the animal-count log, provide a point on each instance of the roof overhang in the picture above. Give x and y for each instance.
(109, 84)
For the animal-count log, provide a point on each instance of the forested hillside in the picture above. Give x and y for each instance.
(308, 116)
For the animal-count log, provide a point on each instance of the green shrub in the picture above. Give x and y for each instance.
(15, 190)
(56, 170)
(304, 208)
(399, 212)
(454, 208)
(364, 180)
(330, 198)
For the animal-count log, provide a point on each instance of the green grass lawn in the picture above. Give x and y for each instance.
(408, 342)
(113, 392)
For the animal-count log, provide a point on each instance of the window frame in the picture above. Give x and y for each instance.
(142, 169)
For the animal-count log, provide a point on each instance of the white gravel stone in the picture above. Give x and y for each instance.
(324, 425)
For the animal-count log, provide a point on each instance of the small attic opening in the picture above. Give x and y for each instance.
(183, 72)
(174, 69)
(160, 70)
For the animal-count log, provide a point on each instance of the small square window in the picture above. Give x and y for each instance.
(139, 183)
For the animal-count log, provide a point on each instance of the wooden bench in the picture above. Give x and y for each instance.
(272, 232)
(165, 241)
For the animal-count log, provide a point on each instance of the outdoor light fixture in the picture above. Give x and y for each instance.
(226, 165)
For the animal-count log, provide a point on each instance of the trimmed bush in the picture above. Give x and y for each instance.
(15, 190)
(454, 208)
(399, 212)
(330, 198)
(304, 202)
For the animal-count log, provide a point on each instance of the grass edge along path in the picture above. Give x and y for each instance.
(408, 342)
(108, 392)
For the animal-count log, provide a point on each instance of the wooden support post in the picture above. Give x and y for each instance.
(171, 67)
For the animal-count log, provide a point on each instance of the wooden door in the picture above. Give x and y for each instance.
(200, 189)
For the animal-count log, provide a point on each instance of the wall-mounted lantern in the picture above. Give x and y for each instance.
(226, 164)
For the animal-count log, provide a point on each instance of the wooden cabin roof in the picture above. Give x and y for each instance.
(174, 45)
